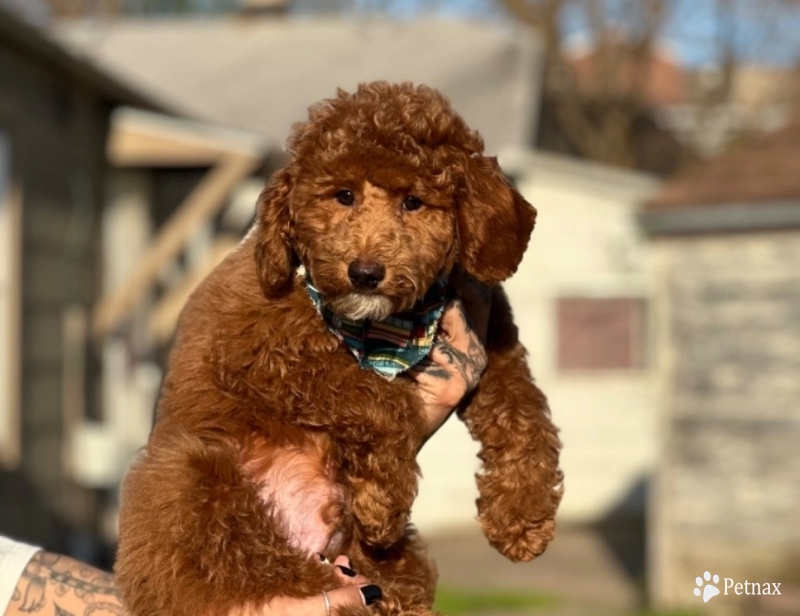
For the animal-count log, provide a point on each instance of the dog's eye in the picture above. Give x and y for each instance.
(345, 197)
(412, 203)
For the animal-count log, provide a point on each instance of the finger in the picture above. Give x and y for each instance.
(370, 594)
(453, 319)
(348, 577)
(446, 356)
(422, 365)
(435, 375)
(342, 560)
(344, 571)
(416, 373)
(461, 340)
(438, 358)
(426, 373)
(353, 595)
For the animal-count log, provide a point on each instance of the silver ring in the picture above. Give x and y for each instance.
(327, 603)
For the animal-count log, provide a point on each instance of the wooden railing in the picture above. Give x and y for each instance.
(205, 202)
(134, 320)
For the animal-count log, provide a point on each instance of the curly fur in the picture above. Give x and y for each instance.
(271, 441)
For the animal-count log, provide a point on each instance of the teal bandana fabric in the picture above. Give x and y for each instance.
(395, 344)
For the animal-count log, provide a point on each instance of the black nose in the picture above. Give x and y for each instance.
(366, 274)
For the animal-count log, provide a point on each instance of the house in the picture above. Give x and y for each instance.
(726, 244)
(54, 120)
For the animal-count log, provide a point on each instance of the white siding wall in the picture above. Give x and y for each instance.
(586, 243)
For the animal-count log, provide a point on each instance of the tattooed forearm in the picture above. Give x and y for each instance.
(453, 368)
(84, 581)
(104, 609)
(53, 584)
(469, 364)
(434, 370)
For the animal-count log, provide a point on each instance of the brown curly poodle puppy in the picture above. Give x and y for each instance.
(272, 443)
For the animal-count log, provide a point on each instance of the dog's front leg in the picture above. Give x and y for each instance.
(379, 460)
(520, 485)
(384, 484)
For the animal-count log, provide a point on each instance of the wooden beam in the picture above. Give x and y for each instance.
(164, 315)
(129, 147)
(145, 140)
(202, 204)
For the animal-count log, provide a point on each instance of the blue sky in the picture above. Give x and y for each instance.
(692, 28)
(691, 31)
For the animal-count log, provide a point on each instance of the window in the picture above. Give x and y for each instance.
(600, 333)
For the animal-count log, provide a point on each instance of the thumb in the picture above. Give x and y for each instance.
(452, 320)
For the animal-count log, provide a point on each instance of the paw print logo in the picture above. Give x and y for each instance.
(709, 591)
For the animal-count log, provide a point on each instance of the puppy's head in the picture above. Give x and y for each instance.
(386, 191)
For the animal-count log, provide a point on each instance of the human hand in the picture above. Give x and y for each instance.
(458, 358)
(57, 584)
(355, 590)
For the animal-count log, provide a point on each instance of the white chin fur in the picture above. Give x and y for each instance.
(357, 306)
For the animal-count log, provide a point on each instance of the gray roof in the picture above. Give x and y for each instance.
(36, 45)
(261, 74)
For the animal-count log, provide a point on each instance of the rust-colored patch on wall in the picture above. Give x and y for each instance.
(600, 333)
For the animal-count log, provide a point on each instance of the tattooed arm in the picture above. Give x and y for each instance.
(53, 585)
(458, 358)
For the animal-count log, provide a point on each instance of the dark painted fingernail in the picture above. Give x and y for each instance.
(371, 594)
(347, 571)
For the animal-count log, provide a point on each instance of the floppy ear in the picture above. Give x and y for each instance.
(275, 258)
(494, 222)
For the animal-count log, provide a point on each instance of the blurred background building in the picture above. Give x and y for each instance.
(657, 299)
(54, 124)
(726, 243)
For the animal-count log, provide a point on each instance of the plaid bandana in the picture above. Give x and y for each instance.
(395, 344)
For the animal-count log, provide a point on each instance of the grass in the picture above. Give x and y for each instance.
(670, 613)
(459, 602)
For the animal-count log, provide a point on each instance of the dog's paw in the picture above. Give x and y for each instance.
(520, 541)
(379, 526)
(385, 533)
